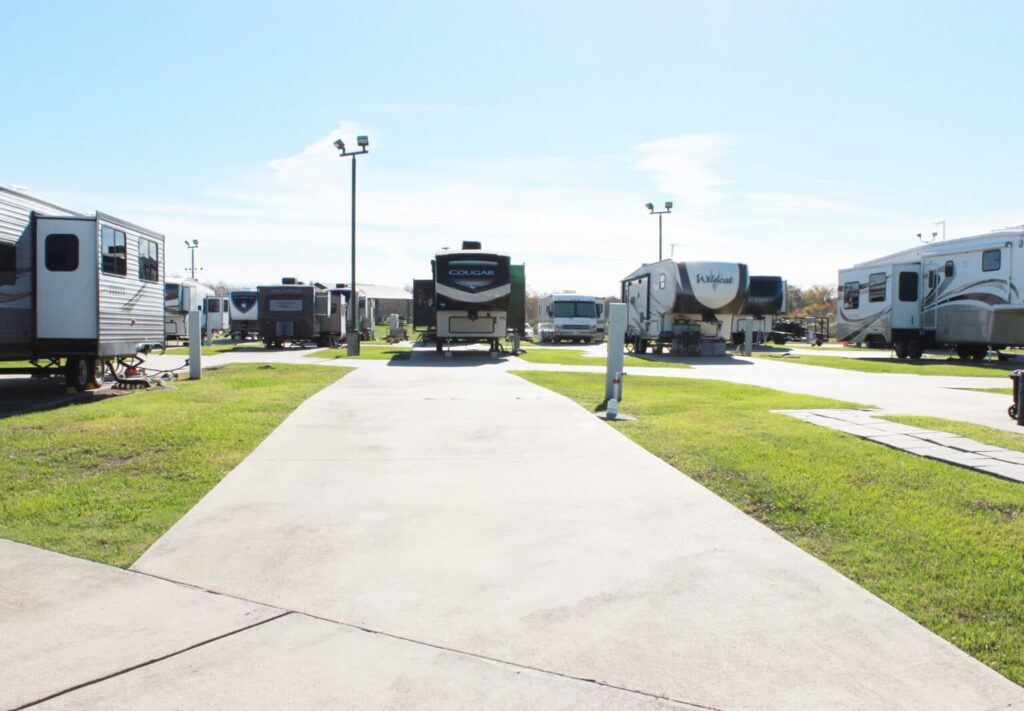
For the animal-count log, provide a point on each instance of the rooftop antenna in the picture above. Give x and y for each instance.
(936, 234)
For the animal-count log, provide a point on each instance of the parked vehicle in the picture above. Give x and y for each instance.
(687, 306)
(766, 300)
(467, 299)
(297, 313)
(218, 315)
(243, 312)
(181, 297)
(570, 317)
(960, 294)
(77, 293)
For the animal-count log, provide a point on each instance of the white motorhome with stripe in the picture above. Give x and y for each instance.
(962, 293)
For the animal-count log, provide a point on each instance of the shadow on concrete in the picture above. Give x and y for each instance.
(455, 358)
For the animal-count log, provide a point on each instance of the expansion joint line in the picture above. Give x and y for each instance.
(149, 662)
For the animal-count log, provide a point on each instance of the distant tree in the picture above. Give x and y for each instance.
(817, 301)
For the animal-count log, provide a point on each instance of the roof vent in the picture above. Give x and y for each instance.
(289, 280)
(470, 245)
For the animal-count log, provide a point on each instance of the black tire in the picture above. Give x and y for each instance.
(1012, 412)
(439, 346)
(641, 345)
(901, 349)
(76, 373)
(979, 353)
(964, 352)
(915, 350)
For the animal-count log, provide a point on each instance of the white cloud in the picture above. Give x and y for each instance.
(292, 218)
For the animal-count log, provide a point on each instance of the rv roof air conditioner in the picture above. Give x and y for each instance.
(470, 245)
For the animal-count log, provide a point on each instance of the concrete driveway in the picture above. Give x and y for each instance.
(465, 510)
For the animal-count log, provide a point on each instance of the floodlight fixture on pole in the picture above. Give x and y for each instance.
(352, 339)
(659, 213)
(192, 247)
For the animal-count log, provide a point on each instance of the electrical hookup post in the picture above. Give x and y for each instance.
(616, 349)
(195, 346)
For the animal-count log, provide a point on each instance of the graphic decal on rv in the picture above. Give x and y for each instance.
(862, 325)
(472, 274)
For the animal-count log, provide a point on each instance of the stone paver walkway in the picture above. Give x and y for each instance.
(941, 446)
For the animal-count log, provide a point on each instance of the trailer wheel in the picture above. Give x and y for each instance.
(900, 347)
(439, 346)
(97, 367)
(1012, 412)
(76, 373)
(915, 350)
(963, 352)
(641, 346)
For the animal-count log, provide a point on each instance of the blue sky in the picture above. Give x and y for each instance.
(798, 137)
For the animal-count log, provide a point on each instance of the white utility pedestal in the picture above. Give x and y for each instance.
(616, 347)
(195, 346)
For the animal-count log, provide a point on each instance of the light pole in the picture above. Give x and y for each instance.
(352, 340)
(659, 213)
(192, 247)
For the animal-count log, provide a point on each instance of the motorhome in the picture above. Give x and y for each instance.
(571, 317)
(180, 297)
(243, 312)
(962, 294)
(687, 306)
(467, 299)
(298, 313)
(78, 293)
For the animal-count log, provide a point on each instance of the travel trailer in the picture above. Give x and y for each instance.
(180, 297)
(78, 293)
(766, 303)
(218, 315)
(961, 294)
(467, 299)
(570, 317)
(366, 309)
(687, 306)
(243, 312)
(298, 313)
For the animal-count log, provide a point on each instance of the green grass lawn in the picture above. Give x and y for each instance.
(998, 391)
(576, 357)
(367, 351)
(989, 369)
(104, 480)
(219, 348)
(940, 543)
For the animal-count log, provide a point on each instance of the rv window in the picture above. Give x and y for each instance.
(290, 305)
(876, 287)
(171, 292)
(908, 286)
(149, 260)
(661, 281)
(851, 295)
(931, 279)
(213, 306)
(113, 250)
(8, 263)
(991, 260)
(61, 253)
(948, 269)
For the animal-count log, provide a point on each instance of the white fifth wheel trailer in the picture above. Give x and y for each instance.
(77, 292)
(962, 293)
(180, 297)
(570, 317)
(688, 306)
(243, 311)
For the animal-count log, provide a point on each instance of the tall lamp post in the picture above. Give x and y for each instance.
(352, 340)
(659, 213)
(192, 247)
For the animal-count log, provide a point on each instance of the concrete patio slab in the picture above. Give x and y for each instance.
(441, 508)
(66, 621)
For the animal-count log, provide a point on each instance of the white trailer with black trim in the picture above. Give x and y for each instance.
(243, 312)
(180, 297)
(77, 292)
(687, 306)
(962, 294)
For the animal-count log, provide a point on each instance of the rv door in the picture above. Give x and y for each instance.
(906, 297)
(67, 300)
(637, 303)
